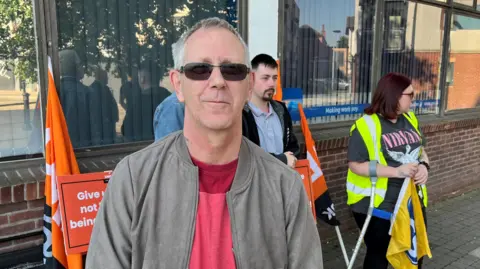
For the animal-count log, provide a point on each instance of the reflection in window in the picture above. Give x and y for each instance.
(420, 55)
(395, 33)
(114, 62)
(464, 2)
(464, 49)
(326, 55)
(450, 73)
(20, 120)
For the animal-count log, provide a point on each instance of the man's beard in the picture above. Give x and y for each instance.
(268, 94)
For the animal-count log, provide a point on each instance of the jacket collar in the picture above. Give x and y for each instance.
(244, 172)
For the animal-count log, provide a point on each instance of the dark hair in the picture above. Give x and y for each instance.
(264, 59)
(389, 90)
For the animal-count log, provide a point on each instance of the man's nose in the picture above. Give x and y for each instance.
(216, 78)
(271, 83)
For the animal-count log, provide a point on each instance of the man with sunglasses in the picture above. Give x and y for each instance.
(206, 197)
(267, 122)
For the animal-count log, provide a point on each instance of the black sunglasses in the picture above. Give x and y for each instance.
(202, 71)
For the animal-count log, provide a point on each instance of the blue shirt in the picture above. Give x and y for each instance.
(168, 117)
(269, 129)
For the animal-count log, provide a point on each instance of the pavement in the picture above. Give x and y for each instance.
(453, 229)
(453, 232)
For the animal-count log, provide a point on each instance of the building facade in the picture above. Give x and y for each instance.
(106, 54)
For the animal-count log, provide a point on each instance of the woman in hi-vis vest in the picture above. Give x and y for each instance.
(399, 150)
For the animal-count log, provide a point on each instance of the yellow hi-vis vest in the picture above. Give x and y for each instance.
(359, 187)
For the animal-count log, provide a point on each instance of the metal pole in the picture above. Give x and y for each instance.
(377, 44)
(365, 224)
(26, 106)
(333, 67)
(41, 51)
(342, 245)
(445, 60)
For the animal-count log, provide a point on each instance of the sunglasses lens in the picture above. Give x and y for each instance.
(202, 71)
(234, 72)
(197, 71)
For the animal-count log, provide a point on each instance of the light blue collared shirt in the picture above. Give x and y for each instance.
(269, 129)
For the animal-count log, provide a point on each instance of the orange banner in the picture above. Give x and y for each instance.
(59, 160)
(80, 197)
(278, 92)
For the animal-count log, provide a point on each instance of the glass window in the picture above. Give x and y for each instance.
(326, 56)
(395, 24)
(450, 73)
(20, 120)
(465, 52)
(464, 2)
(114, 61)
(417, 52)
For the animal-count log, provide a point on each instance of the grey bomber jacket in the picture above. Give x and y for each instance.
(147, 216)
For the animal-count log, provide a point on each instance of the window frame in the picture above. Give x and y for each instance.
(449, 8)
(47, 29)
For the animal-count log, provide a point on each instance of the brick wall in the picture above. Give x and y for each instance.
(453, 146)
(21, 213)
(22, 199)
(465, 90)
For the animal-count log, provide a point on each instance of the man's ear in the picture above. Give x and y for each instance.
(250, 85)
(177, 84)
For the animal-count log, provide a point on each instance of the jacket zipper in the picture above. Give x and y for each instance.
(192, 222)
(234, 232)
(235, 258)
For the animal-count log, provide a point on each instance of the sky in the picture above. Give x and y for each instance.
(468, 23)
(332, 13)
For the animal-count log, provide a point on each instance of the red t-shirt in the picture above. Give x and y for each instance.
(212, 241)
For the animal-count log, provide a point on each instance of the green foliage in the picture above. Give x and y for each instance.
(17, 38)
(342, 42)
(117, 33)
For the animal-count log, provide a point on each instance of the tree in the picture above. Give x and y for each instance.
(122, 33)
(117, 33)
(342, 42)
(17, 38)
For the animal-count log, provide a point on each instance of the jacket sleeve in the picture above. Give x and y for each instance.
(292, 143)
(303, 240)
(282, 157)
(110, 244)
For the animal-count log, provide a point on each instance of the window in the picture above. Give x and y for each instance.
(395, 32)
(450, 73)
(464, 2)
(326, 57)
(420, 57)
(114, 61)
(464, 40)
(20, 120)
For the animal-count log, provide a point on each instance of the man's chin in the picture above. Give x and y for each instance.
(218, 123)
(267, 98)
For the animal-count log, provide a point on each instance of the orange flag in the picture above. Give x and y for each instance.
(60, 160)
(279, 92)
(324, 207)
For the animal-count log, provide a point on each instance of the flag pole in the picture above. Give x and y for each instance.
(342, 245)
(367, 222)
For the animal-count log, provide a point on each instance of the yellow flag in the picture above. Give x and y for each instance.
(409, 240)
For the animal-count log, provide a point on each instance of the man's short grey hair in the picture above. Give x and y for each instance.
(178, 48)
